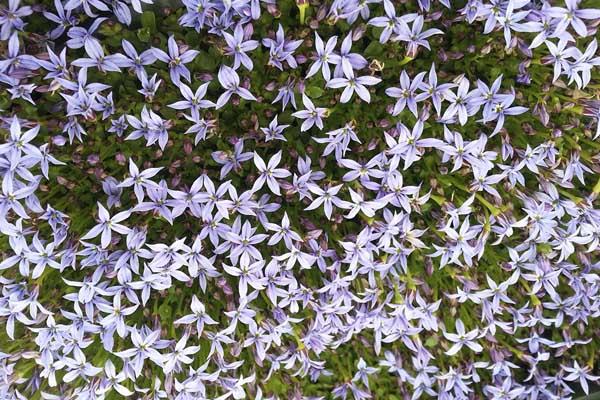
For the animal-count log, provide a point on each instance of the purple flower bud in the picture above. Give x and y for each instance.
(301, 59)
(270, 86)
(359, 32)
(121, 159)
(93, 159)
(59, 140)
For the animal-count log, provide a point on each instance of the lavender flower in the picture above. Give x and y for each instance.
(136, 61)
(352, 85)
(406, 93)
(281, 50)
(572, 15)
(106, 225)
(11, 18)
(274, 131)
(193, 101)
(462, 338)
(325, 55)
(139, 180)
(176, 60)
(416, 37)
(238, 46)
(348, 62)
(230, 81)
(268, 173)
(312, 115)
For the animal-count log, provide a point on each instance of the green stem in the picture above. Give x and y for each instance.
(302, 6)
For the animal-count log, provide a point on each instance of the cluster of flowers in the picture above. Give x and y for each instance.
(494, 296)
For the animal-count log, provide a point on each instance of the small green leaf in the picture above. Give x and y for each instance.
(164, 311)
(144, 34)
(314, 92)
(431, 341)
(149, 21)
(110, 30)
(374, 49)
(406, 60)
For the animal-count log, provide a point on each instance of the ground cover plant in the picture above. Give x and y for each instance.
(347, 199)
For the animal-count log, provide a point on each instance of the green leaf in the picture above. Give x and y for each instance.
(314, 92)
(593, 396)
(164, 311)
(144, 35)
(149, 21)
(110, 30)
(405, 60)
(374, 49)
